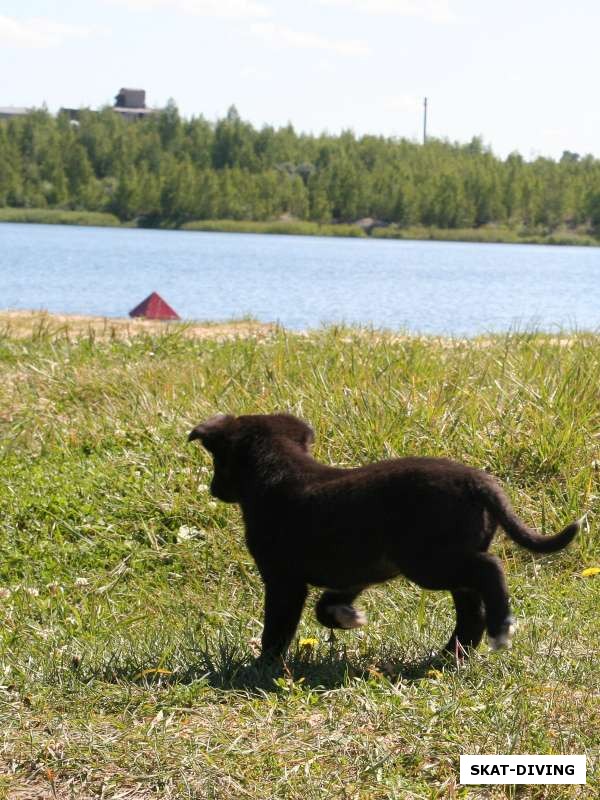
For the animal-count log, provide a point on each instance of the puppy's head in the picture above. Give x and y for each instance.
(275, 429)
(231, 441)
(217, 436)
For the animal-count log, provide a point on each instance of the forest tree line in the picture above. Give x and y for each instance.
(166, 169)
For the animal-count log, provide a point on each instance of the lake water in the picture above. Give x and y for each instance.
(302, 282)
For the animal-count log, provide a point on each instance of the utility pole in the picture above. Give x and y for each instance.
(425, 121)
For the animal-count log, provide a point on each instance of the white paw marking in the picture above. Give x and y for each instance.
(348, 617)
(504, 638)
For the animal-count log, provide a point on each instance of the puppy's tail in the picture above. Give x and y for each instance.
(498, 504)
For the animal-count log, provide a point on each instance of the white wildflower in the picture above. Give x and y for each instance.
(81, 582)
(186, 533)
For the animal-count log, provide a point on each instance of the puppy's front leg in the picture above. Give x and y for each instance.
(284, 601)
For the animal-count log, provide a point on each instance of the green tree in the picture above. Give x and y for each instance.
(167, 168)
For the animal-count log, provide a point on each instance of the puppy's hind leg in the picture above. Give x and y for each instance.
(335, 610)
(483, 572)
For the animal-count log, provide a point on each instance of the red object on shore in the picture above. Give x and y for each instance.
(154, 307)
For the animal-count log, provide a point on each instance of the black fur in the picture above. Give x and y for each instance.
(429, 519)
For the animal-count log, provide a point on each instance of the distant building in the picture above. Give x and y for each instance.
(71, 113)
(10, 112)
(131, 104)
(131, 98)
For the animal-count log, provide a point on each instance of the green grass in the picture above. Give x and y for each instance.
(129, 603)
(292, 228)
(53, 216)
(489, 234)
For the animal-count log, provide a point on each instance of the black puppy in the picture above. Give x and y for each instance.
(429, 519)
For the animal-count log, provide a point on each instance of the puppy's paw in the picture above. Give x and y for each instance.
(347, 617)
(504, 636)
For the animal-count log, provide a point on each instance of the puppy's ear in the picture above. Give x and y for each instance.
(211, 430)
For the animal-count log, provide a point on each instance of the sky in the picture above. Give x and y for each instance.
(522, 74)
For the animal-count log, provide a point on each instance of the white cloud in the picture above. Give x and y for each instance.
(38, 32)
(326, 66)
(228, 9)
(402, 103)
(254, 74)
(282, 36)
(432, 10)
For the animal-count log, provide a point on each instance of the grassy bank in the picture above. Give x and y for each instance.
(52, 216)
(488, 233)
(129, 603)
(296, 228)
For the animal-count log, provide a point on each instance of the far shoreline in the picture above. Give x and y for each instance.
(483, 235)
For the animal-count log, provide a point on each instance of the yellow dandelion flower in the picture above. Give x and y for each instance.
(309, 643)
(434, 673)
(154, 671)
(587, 573)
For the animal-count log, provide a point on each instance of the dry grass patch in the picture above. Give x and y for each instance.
(24, 324)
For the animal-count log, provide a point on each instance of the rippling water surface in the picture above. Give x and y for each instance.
(302, 282)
